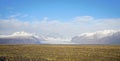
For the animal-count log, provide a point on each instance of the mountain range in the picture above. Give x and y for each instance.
(98, 37)
(21, 38)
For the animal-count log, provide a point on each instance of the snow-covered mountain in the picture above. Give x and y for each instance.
(28, 38)
(99, 37)
(21, 38)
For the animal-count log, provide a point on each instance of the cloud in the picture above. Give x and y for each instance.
(58, 28)
(99, 37)
(18, 15)
(14, 16)
(82, 19)
(108, 22)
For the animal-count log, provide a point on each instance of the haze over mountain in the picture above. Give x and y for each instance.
(99, 37)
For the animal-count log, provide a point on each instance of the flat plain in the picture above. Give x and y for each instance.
(59, 52)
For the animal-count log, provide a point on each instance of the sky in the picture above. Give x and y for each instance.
(58, 18)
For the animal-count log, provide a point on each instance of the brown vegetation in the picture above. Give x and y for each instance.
(59, 53)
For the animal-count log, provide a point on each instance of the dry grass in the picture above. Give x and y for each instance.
(60, 52)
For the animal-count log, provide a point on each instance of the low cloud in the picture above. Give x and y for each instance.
(82, 19)
(57, 28)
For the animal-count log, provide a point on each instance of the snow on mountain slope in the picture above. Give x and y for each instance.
(28, 38)
(99, 37)
(21, 38)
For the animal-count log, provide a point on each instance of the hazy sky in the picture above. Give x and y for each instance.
(58, 17)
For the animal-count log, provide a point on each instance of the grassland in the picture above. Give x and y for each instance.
(59, 53)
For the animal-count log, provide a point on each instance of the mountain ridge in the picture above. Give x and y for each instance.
(99, 37)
